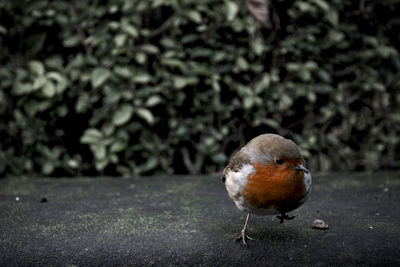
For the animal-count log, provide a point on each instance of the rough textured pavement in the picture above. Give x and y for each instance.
(192, 221)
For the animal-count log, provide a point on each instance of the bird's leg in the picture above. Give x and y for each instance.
(284, 216)
(244, 234)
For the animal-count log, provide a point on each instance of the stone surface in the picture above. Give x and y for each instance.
(191, 221)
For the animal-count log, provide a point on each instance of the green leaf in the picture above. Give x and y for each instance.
(257, 46)
(333, 17)
(304, 74)
(131, 30)
(54, 62)
(120, 39)
(73, 163)
(145, 114)
(39, 82)
(122, 115)
(140, 58)
(35, 43)
(108, 129)
(101, 164)
(142, 78)
(150, 49)
(242, 63)
(181, 82)
(49, 90)
(293, 66)
(3, 30)
(248, 102)
(153, 100)
(157, 3)
(386, 51)
(62, 111)
(113, 25)
(61, 81)
(232, 9)
(322, 4)
(323, 89)
(48, 168)
(36, 67)
(71, 41)
(181, 131)
(324, 75)
(33, 106)
(304, 6)
(117, 146)
(113, 158)
(263, 84)
(150, 164)
(272, 123)
(124, 72)
(194, 16)
(378, 86)
(219, 158)
(168, 42)
(311, 96)
(91, 136)
(99, 151)
(171, 62)
(99, 76)
(336, 36)
(83, 103)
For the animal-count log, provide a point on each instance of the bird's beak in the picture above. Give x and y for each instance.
(301, 168)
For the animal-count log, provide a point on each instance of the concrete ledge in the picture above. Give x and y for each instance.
(191, 221)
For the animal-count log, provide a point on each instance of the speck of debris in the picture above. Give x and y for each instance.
(319, 224)
(371, 227)
(386, 190)
(17, 199)
(43, 200)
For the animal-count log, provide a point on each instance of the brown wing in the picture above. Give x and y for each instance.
(236, 163)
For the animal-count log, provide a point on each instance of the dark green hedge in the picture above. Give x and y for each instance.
(167, 86)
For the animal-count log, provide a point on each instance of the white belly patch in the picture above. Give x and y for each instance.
(235, 182)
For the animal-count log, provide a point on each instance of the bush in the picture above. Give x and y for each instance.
(166, 86)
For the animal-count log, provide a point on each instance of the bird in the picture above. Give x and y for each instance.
(267, 176)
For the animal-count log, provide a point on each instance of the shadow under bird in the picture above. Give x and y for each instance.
(267, 176)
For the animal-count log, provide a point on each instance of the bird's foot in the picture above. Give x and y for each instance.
(284, 216)
(243, 237)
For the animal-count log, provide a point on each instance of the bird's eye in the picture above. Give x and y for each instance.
(279, 161)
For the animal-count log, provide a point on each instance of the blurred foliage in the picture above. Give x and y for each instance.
(175, 86)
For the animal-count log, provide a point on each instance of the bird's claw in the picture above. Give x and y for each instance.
(243, 236)
(284, 216)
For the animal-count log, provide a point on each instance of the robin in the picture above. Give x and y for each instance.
(267, 176)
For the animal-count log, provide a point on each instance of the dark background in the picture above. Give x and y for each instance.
(147, 87)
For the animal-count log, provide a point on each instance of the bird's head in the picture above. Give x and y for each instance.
(277, 152)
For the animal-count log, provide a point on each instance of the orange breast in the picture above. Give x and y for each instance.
(274, 186)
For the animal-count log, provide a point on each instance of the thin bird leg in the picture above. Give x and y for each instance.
(284, 216)
(244, 234)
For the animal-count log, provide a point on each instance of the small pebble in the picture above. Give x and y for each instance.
(319, 224)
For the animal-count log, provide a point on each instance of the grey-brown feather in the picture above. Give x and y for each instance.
(236, 163)
(266, 147)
